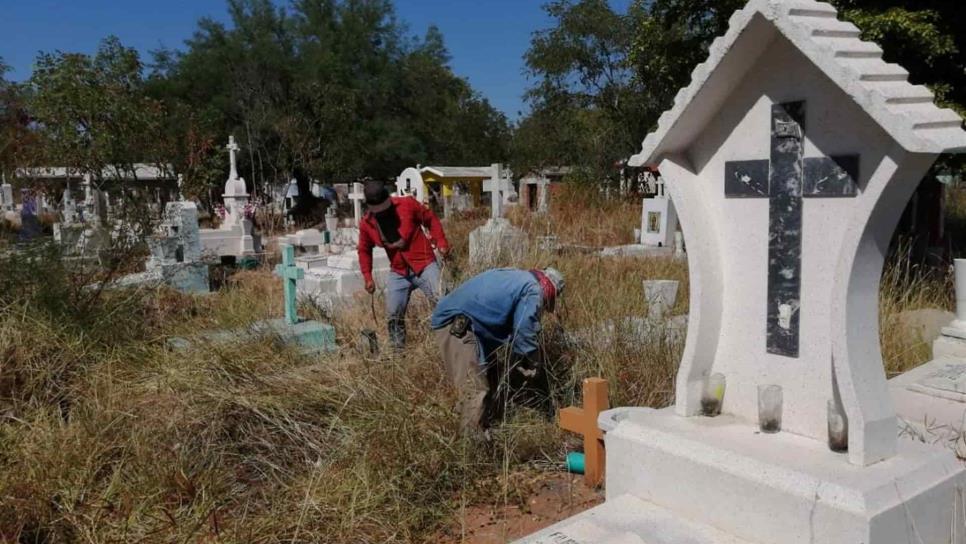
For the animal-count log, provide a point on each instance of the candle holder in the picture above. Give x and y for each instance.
(713, 396)
(838, 429)
(770, 408)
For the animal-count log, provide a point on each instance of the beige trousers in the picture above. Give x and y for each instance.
(462, 362)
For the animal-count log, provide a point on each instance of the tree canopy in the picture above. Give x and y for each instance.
(324, 89)
(603, 78)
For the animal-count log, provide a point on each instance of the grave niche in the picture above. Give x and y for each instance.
(789, 159)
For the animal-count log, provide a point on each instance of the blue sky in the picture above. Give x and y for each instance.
(486, 38)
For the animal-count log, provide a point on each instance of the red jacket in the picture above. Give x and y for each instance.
(417, 252)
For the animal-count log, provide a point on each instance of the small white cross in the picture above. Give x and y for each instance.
(357, 196)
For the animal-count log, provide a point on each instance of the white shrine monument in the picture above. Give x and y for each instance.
(659, 219)
(497, 241)
(410, 183)
(790, 158)
(234, 238)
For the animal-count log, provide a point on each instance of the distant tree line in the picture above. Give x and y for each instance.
(337, 89)
(326, 89)
(603, 77)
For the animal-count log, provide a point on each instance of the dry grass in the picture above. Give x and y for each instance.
(108, 437)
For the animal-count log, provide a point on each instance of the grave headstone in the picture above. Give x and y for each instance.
(175, 253)
(659, 220)
(497, 241)
(660, 296)
(235, 237)
(410, 183)
(357, 197)
(789, 159)
(290, 274)
(331, 219)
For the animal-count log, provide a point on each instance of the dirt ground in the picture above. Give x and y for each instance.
(555, 497)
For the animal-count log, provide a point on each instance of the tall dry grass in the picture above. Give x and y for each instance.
(105, 436)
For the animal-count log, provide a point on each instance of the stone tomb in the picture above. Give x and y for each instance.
(659, 219)
(932, 398)
(235, 237)
(789, 158)
(331, 271)
(175, 258)
(497, 241)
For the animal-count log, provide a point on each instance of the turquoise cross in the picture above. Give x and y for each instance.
(290, 274)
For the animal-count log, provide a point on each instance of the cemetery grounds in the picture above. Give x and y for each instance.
(106, 436)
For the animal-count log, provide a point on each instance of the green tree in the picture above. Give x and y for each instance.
(586, 104)
(17, 141)
(91, 112)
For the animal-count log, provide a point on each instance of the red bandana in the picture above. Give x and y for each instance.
(549, 289)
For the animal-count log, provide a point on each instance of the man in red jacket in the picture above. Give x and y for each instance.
(396, 224)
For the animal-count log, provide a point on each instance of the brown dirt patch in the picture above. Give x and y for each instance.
(554, 497)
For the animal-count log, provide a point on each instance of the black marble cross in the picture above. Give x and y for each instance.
(785, 180)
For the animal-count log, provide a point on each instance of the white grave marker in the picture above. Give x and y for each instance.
(789, 158)
(358, 197)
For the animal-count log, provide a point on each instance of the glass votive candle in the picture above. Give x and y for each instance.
(770, 408)
(713, 396)
(838, 429)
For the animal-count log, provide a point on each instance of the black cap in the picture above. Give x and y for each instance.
(377, 196)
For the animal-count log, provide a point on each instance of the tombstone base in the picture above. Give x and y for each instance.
(309, 337)
(497, 242)
(932, 398)
(779, 487)
(629, 520)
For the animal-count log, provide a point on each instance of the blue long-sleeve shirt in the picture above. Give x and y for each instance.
(504, 306)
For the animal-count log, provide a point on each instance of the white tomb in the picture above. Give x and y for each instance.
(659, 219)
(235, 237)
(332, 271)
(931, 399)
(497, 241)
(789, 158)
(410, 183)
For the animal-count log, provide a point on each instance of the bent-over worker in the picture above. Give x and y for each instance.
(497, 312)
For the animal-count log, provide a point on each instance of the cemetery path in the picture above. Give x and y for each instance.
(553, 497)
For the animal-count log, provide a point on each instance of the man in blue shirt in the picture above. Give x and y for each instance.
(495, 313)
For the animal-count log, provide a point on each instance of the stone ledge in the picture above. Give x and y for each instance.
(722, 472)
(629, 520)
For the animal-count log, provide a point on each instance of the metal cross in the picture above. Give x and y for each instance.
(290, 274)
(785, 180)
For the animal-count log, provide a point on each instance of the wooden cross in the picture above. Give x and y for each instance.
(583, 421)
(785, 180)
(290, 274)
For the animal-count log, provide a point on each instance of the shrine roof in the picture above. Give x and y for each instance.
(905, 111)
